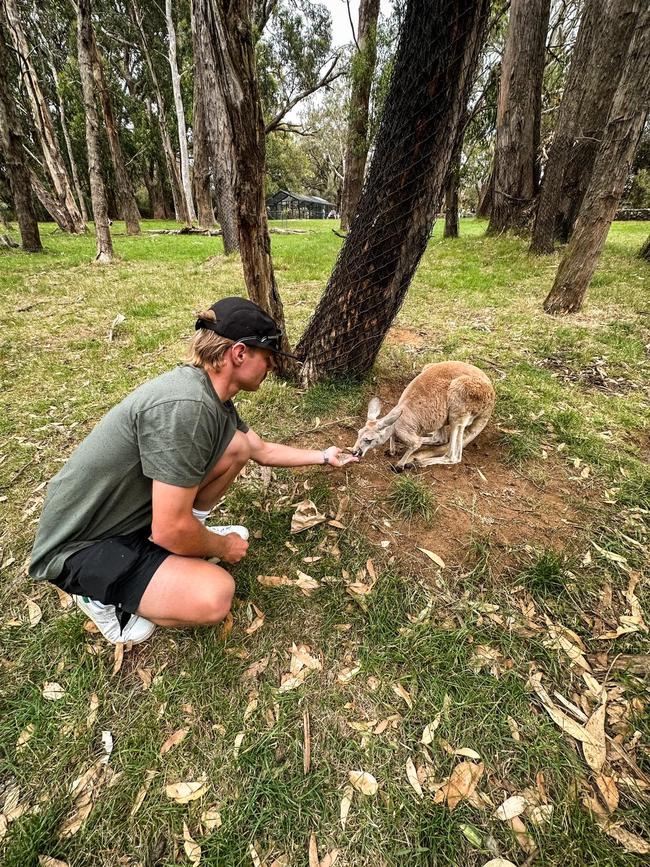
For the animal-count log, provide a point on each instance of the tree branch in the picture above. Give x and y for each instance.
(327, 78)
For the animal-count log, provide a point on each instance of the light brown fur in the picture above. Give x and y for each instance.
(449, 403)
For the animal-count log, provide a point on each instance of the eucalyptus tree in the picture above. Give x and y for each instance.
(60, 200)
(598, 59)
(180, 111)
(97, 189)
(627, 116)
(433, 71)
(361, 74)
(12, 150)
(516, 158)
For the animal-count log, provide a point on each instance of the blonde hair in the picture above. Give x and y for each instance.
(207, 349)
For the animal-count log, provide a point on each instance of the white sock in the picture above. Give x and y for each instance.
(200, 515)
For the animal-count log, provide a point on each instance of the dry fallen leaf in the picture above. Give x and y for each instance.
(34, 613)
(184, 792)
(142, 793)
(596, 753)
(541, 815)
(306, 516)
(211, 819)
(632, 843)
(257, 623)
(433, 556)
(499, 862)
(346, 802)
(511, 807)
(47, 861)
(257, 861)
(119, 657)
(257, 667)
(608, 791)
(399, 691)
(330, 859)
(363, 782)
(348, 674)
(92, 711)
(65, 600)
(239, 739)
(85, 790)
(173, 740)
(467, 753)
(275, 580)
(462, 782)
(313, 851)
(192, 848)
(24, 736)
(561, 719)
(145, 676)
(523, 837)
(514, 729)
(53, 691)
(412, 776)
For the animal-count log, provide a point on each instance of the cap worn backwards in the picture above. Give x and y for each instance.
(244, 322)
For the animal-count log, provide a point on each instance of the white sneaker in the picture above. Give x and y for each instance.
(231, 528)
(104, 617)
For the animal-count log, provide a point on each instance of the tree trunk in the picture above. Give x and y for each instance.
(484, 207)
(180, 207)
(433, 70)
(233, 48)
(154, 191)
(218, 127)
(202, 174)
(45, 46)
(180, 114)
(644, 252)
(516, 169)
(451, 190)
(127, 206)
(97, 191)
(566, 128)
(69, 215)
(602, 77)
(363, 68)
(11, 148)
(612, 166)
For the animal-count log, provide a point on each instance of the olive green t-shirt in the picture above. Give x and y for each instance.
(172, 429)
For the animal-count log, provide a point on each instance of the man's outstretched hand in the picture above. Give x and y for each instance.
(338, 458)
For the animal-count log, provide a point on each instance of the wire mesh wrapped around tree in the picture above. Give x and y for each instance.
(434, 67)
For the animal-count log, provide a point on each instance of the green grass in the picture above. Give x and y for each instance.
(411, 498)
(562, 444)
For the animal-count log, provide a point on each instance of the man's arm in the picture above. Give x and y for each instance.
(278, 455)
(175, 528)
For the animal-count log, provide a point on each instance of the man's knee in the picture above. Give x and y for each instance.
(215, 603)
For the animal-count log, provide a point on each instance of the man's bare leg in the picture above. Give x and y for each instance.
(186, 591)
(224, 472)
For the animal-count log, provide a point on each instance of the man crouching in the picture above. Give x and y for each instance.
(123, 524)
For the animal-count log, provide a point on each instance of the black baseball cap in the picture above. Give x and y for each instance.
(244, 322)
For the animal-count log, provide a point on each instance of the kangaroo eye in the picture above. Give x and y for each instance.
(367, 440)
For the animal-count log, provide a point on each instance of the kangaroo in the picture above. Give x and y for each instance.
(447, 405)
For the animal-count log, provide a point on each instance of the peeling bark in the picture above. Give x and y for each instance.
(127, 206)
(516, 169)
(180, 113)
(97, 190)
(69, 217)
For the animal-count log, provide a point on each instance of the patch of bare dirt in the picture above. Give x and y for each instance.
(483, 498)
(408, 337)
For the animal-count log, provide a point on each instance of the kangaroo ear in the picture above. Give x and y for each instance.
(390, 419)
(374, 408)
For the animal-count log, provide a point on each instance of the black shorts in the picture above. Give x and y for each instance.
(115, 571)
